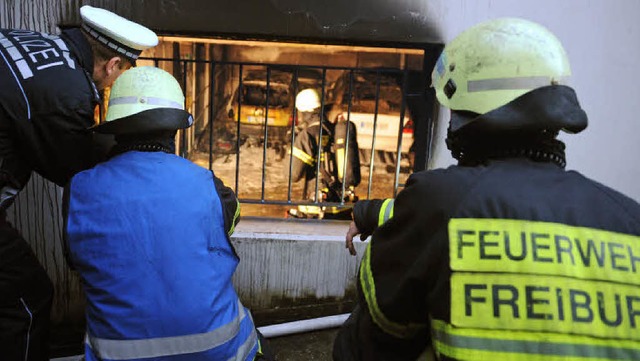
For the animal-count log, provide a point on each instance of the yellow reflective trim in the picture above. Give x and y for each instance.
(505, 245)
(386, 211)
(369, 290)
(482, 344)
(605, 310)
(310, 209)
(235, 216)
(340, 163)
(304, 157)
(336, 209)
(259, 352)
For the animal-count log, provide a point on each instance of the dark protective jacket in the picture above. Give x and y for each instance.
(515, 260)
(148, 233)
(47, 101)
(336, 148)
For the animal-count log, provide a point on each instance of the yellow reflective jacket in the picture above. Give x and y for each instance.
(516, 260)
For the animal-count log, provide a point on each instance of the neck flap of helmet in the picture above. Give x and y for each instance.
(158, 141)
(526, 127)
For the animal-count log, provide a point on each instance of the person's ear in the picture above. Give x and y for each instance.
(113, 65)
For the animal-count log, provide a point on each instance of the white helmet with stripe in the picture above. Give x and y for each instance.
(497, 61)
(145, 99)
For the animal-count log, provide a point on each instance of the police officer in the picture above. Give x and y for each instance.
(49, 90)
(148, 233)
(339, 159)
(506, 255)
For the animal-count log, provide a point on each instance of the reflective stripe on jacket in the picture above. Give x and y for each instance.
(337, 163)
(146, 233)
(516, 260)
(47, 101)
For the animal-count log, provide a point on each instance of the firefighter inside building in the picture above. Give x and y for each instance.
(155, 264)
(505, 255)
(336, 146)
(49, 91)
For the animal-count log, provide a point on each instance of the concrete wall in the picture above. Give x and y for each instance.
(602, 39)
(292, 269)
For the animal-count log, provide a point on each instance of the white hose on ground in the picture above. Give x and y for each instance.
(314, 324)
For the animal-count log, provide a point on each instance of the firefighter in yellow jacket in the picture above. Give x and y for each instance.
(505, 256)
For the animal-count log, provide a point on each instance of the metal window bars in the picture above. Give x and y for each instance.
(181, 69)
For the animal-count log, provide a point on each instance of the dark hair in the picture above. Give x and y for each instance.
(104, 53)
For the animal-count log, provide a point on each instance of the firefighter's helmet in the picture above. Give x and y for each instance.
(145, 99)
(308, 100)
(497, 61)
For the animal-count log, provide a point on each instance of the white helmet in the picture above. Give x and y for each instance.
(497, 61)
(145, 99)
(307, 100)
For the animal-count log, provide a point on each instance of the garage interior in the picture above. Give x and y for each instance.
(260, 174)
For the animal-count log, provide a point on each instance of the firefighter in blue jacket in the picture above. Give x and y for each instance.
(505, 256)
(49, 88)
(149, 234)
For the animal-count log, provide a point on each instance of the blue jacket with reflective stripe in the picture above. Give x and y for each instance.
(146, 233)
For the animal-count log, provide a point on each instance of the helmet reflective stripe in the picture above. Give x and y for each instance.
(164, 103)
(529, 83)
(495, 62)
(143, 88)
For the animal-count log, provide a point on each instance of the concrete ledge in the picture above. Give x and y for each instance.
(292, 226)
(293, 269)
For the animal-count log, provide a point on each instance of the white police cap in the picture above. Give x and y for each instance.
(121, 35)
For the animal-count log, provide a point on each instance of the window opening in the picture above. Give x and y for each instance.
(242, 96)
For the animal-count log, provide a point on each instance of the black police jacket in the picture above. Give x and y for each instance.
(504, 261)
(47, 101)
